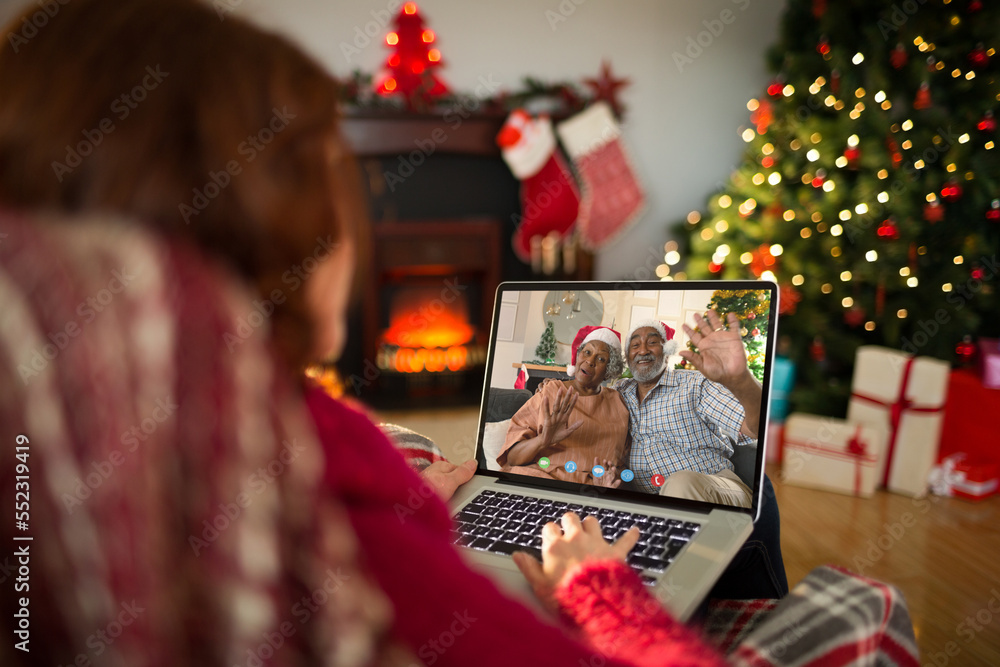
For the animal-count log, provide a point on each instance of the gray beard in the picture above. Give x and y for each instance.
(651, 374)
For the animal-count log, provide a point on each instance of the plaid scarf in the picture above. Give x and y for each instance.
(175, 513)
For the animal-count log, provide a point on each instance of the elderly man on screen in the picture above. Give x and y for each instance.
(684, 424)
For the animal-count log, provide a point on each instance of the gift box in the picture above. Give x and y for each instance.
(989, 362)
(970, 418)
(963, 477)
(905, 395)
(832, 454)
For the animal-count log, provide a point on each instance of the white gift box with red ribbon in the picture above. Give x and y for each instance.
(905, 395)
(832, 454)
(958, 476)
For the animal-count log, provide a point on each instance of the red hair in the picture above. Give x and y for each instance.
(193, 122)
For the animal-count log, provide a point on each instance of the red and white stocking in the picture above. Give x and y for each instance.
(549, 197)
(612, 196)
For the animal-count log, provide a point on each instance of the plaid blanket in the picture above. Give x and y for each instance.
(833, 617)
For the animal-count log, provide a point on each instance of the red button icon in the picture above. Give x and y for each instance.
(657, 480)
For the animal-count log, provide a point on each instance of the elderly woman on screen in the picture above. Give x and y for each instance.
(573, 429)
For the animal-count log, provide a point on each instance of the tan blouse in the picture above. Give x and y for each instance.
(602, 435)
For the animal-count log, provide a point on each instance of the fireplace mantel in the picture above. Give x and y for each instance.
(374, 134)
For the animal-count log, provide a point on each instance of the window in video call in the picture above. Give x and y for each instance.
(638, 418)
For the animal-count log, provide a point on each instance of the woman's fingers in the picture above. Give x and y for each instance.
(592, 526)
(625, 543)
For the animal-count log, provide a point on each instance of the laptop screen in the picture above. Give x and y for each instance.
(660, 417)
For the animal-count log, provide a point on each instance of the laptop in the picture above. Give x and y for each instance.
(685, 545)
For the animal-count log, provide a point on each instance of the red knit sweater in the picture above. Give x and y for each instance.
(450, 615)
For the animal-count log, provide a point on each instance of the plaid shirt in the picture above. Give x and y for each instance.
(685, 422)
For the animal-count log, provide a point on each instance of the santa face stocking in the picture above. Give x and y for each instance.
(612, 196)
(549, 198)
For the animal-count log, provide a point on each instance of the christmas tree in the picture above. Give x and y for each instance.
(870, 190)
(546, 350)
(413, 61)
(752, 311)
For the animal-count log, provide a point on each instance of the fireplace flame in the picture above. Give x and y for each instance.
(430, 332)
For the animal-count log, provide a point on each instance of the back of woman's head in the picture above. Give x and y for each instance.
(187, 119)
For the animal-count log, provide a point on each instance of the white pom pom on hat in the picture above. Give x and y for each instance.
(606, 335)
(669, 344)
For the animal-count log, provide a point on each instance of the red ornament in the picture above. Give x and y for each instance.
(714, 268)
(923, 98)
(993, 215)
(751, 316)
(888, 230)
(762, 259)
(988, 123)
(411, 67)
(818, 180)
(898, 57)
(978, 273)
(789, 298)
(933, 212)
(854, 316)
(952, 191)
(774, 90)
(762, 116)
(979, 57)
(606, 86)
(767, 162)
(755, 332)
(817, 350)
(966, 351)
(823, 47)
(853, 154)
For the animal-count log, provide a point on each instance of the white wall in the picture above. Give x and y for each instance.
(681, 126)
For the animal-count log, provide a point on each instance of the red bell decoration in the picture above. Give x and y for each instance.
(888, 230)
(966, 351)
(993, 214)
(933, 212)
(979, 57)
(923, 98)
(898, 57)
(988, 123)
(952, 191)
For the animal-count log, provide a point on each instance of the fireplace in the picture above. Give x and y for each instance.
(443, 206)
(429, 309)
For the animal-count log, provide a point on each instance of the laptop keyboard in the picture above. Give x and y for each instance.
(503, 523)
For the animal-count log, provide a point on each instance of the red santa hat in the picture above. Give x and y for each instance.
(606, 335)
(669, 344)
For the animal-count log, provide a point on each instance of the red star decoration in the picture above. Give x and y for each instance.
(605, 88)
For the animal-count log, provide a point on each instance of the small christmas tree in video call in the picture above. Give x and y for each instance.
(546, 350)
(752, 311)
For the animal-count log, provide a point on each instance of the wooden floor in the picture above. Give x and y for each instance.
(943, 553)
